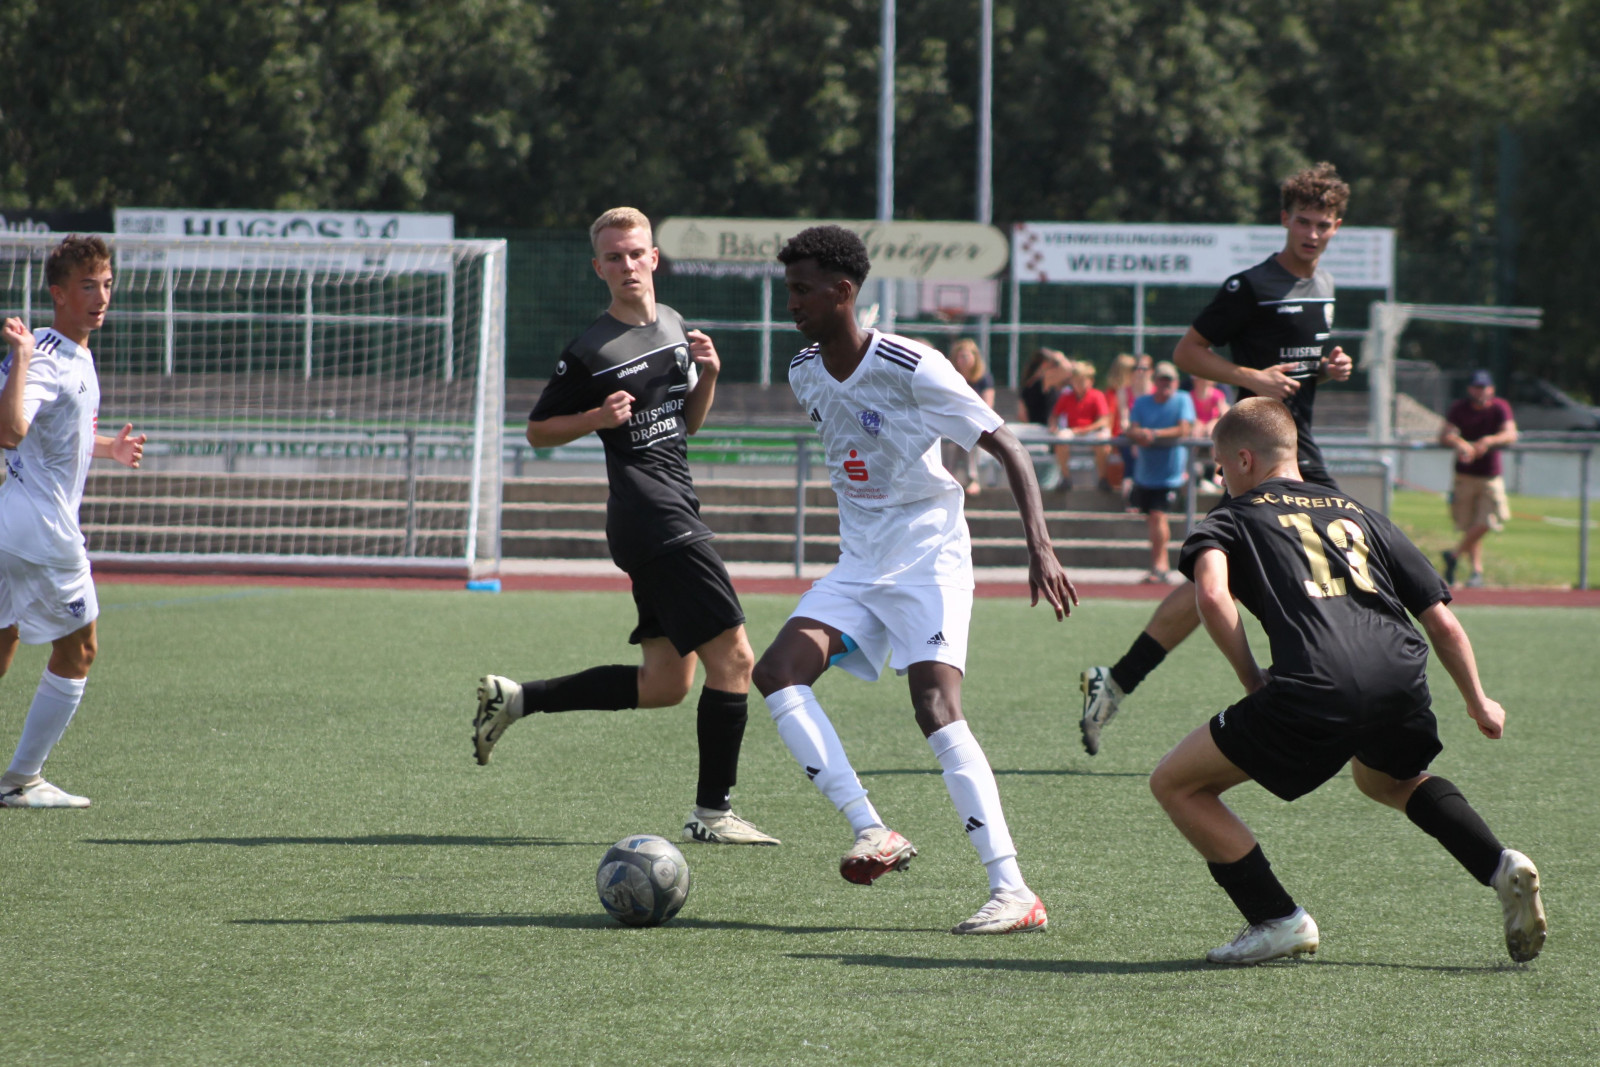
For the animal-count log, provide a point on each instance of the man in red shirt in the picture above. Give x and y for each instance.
(1081, 411)
(1477, 427)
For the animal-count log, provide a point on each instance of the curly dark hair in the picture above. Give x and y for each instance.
(1316, 187)
(77, 250)
(833, 247)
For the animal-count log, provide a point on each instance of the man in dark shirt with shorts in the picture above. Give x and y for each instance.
(1277, 320)
(642, 383)
(1477, 427)
(1332, 585)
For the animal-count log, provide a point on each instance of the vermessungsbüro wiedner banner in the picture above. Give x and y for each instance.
(1087, 253)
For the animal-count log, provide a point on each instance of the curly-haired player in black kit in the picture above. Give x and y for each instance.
(1334, 586)
(1277, 320)
(641, 383)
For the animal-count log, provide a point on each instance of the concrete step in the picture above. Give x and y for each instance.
(779, 548)
(212, 540)
(288, 514)
(131, 485)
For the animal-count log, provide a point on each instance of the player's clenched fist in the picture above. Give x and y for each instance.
(704, 353)
(18, 337)
(616, 410)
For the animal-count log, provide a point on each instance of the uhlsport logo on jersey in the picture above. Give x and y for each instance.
(872, 421)
(855, 469)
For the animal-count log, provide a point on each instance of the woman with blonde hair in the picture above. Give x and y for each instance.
(967, 358)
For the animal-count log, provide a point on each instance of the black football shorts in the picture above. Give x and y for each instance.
(685, 596)
(1291, 748)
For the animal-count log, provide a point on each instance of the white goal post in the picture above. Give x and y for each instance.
(312, 406)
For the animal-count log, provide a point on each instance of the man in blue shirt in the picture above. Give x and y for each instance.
(1165, 414)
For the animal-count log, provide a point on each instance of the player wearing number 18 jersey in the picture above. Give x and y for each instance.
(902, 590)
(1332, 585)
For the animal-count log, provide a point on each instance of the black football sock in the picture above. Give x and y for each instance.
(1145, 656)
(596, 689)
(720, 727)
(1439, 808)
(1253, 888)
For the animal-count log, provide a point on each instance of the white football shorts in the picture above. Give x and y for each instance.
(903, 624)
(46, 601)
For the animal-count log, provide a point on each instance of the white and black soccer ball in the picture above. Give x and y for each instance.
(643, 880)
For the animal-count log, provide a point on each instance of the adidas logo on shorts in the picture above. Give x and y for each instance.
(938, 639)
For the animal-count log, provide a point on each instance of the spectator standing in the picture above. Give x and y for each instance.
(967, 358)
(1119, 397)
(1080, 411)
(1477, 427)
(1210, 404)
(1158, 420)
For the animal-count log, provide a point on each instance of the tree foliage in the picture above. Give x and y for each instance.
(513, 114)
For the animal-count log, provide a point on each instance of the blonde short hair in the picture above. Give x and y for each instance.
(618, 218)
(1083, 367)
(1259, 424)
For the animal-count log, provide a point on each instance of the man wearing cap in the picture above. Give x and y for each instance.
(1156, 422)
(1477, 427)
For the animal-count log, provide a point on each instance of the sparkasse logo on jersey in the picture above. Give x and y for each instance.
(855, 469)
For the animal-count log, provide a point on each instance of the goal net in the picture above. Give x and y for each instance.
(310, 405)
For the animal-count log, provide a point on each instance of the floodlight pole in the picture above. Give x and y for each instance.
(886, 149)
(985, 137)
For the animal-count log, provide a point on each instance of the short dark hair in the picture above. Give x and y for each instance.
(833, 247)
(77, 250)
(1316, 187)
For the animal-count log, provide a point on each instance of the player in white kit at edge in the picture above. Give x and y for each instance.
(49, 404)
(902, 590)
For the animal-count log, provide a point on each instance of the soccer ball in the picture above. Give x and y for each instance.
(643, 880)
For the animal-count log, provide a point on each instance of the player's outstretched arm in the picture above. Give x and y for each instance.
(1221, 616)
(709, 364)
(1455, 652)
(13, 423)
(1044, 570)
(126, 448)
(562, 429)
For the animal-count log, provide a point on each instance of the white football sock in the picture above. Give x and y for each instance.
(970, 782)
(53, 705)
(811, 740)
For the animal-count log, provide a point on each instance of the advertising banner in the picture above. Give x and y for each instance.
(284, 240)
(1085, 253)
(925, 251)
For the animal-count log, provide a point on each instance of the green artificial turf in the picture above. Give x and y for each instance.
(293, 859)
(1538, 547)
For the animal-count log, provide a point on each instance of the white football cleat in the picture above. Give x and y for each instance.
(1517, 882)
(41, 794)
(1007, 914)
(499, 705)
(877, 851)
(1101, 698)
(1289, 936)
(710, 826)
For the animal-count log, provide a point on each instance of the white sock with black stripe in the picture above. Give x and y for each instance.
(812, 741)
(970, 781)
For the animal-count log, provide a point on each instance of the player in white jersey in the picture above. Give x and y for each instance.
(49, 404)
(902, 590)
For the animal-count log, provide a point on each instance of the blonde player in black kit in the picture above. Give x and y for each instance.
(641, 382)
(1331, 584)
(1277, 320)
